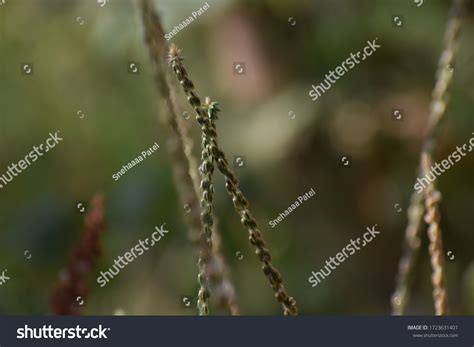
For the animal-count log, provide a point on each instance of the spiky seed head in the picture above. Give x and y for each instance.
(174, 54)
(215, 106)
(211, 108)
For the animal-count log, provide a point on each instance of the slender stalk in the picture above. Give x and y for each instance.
(207, 220)
(72, 290)
(240, 202)
(407, 264)
(438, 107)
(185, 166)
(431, 196)
(432, 218)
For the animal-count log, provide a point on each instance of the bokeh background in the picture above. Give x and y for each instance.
(291, 144)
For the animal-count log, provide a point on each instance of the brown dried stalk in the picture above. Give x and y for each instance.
(185, 164)
(431, 196)
(72, 290)
(412, 245)
(432, 218)
(205, 116)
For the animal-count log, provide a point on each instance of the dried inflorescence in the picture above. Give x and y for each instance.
(431, 196)
(412, 246)
(207, 219)
(438, 277)
(186, 169)
(206, 116)
(72, 290)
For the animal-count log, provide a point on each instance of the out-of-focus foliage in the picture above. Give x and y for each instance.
(84, 67)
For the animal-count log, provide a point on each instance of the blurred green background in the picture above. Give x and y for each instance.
(287, 46)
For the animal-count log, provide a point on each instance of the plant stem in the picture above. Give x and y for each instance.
(184, 162)
(240, 202)
(431, 196)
